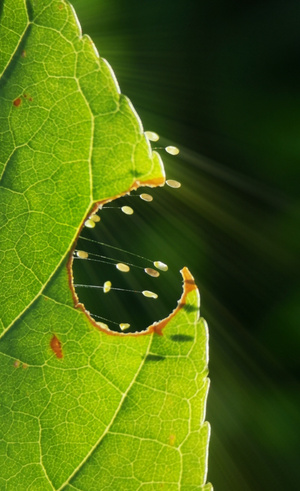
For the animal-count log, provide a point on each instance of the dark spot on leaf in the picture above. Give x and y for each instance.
(23, 54)
(135, 173)
(182, 338)
(55, 345)
(24, 95)
(17, 102)
(155, 358)
(189, 308)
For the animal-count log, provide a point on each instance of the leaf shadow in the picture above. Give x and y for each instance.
(154, 358)
(17, 55)
(182, 338)
(189, 308)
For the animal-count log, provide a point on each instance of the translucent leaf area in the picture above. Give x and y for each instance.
(80, 408)
(68, 139)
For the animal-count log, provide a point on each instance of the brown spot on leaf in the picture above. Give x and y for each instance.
(17, 102)
(23, 54)
(16, 364)
(55, 345)
(25, 366)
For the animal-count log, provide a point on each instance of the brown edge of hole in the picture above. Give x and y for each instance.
(188, 280)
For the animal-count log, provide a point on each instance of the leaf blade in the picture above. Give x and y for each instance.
(90, 367)
(68, 389)
(62, 148)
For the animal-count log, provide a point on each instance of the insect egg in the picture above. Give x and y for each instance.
(95, 218)
(82, 254)
(127, 210)
(103, 325)
(146, 197)
(160, 265)
(149, 294)
(152, 272)
(173, 184)
(152, 136)
(123, 267)
(124, 326)
(172, 150)
(89, 223)
(107, 286)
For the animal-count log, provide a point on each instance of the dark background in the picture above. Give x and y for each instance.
(220, 79)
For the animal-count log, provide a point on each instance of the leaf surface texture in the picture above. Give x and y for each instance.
(80, 409)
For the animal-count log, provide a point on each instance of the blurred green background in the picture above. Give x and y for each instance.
(220, 79)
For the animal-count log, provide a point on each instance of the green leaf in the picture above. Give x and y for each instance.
(81, 409)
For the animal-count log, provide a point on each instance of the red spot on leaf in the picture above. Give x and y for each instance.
(55, 345)
(17, 102)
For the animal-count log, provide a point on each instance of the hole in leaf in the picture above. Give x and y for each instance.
(122, 268)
